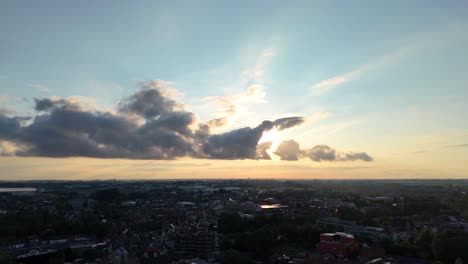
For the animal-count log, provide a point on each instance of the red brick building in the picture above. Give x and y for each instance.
(338, 244)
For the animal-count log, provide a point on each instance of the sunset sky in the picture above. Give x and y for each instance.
(233, 89)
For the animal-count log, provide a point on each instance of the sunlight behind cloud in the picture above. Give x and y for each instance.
(275, 137)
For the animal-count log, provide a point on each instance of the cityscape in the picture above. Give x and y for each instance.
(234, 221)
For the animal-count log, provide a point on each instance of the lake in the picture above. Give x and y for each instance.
(21, 189)
(273, 206)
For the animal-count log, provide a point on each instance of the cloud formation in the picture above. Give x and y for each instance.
(290, 150)
(148, 124)
(229, 105)
(457, 146)
(325, 85)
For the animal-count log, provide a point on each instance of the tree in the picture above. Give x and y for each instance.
(448, 246)
(5, 258)
(90, 255)
(108, 195)
(230, 223)
(235, 257)
(424, 244)
(57, 258)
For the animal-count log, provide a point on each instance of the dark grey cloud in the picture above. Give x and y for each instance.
(65, 133)
(355, 156)
(64, 128)
(148, 102)
(288, 122)
(321, 153)
(236, 144)
(148, 124)
(290, 150)
(47, 104)
(9, 126)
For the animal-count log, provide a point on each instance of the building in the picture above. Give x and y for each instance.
(195, 240)
(338, 244)
(363, 232)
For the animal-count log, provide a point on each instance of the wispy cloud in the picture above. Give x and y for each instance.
(39, 87)
(325, 85)
(457, 146)
(10, 98)
(232, 107)
(256, 73)
(412, 44)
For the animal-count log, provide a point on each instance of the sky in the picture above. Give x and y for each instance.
(233, 89)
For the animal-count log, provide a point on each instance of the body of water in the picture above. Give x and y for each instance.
(272, 206)
(21, 189)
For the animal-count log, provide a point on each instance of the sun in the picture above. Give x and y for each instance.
(273, 136)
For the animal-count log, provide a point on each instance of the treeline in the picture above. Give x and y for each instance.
(46, 225)
(261, 236)
(445, 247)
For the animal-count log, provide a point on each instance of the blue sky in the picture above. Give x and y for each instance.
(385, 77)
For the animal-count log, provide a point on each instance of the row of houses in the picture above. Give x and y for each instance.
(363, 232)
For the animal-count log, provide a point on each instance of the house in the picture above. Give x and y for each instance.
(338, 244)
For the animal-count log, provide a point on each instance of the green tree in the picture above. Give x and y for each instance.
(448, 246)
(424, 244)
(57, 258)
(230, 223)
(235, 257)
(5, 258)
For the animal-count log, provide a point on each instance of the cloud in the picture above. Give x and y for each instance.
(46, 104)
(256, 73)
(242, 143)
(290, 150)
(148, 124)
(225, 104)
(150, 101)
(236, 106)
(354, 156)
(217, 122)
(325, 85)
(76, 103)
(6, 149)
(288, 122)
(5, 111)
(457, 146)
(262, 150)
(9, 126)
(321, 153)
(229, 106)
(39, 87)
(11, 99)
